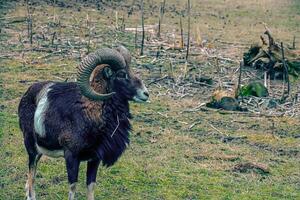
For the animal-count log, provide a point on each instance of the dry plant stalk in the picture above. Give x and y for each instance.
(286, 74)
(237, 91)
(181, 34)
(160, 19)
(143, 27)
(29, 22)
(123, 23)
(198, 36)
(171, 70)
(117, 26)
(88, 33)
(185, 69)
(135, 37)
(189, 29)
(294, 42)
(53, 37)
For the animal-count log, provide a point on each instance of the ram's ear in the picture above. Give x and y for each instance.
(107, 72)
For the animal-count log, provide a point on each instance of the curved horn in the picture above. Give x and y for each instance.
(102, 56)
(125, 53)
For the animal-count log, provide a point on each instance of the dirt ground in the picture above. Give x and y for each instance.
(179, 148)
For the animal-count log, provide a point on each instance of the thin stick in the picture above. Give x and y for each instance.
(263, 40)
(135, 37)
(160, 19)
(237, 92)
(89, 33)
(218, 72)
(29, 22)
(217, 130)
(53, 37)
(285, 69)
(116, 126)
(171, 72)
(265, 79)
(294, 42)
(158, 51)
(268, 33)
(189, 30)
(181, 34)
(123, 23)
(143, 27)
(164, 5)
(117, 26)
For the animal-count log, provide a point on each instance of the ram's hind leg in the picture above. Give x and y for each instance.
(29, 187)
(33, 158)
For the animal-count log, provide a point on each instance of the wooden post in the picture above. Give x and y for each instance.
(143, 28)
(189, 30)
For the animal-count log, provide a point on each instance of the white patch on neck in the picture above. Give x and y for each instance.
(50, 153)
(42, 106)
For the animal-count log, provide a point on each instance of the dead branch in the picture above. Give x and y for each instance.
(286, 74)
(268, 33)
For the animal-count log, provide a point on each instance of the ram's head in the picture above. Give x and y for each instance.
(115, 74)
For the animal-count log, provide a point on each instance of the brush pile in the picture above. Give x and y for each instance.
(274, 58)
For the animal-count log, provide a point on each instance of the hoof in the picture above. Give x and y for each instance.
(28, 195)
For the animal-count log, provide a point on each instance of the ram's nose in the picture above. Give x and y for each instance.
(142, 95)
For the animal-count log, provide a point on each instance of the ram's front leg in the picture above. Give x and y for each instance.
(72, 164)
(91, 174)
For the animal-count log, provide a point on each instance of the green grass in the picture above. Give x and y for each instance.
(167, 159)
(296, 6)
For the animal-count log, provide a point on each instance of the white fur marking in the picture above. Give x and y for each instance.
(90, 191)
(72, 190)
(29, 187)
(39, 115)
(53, 153)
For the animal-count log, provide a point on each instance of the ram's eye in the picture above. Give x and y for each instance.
(122, 75)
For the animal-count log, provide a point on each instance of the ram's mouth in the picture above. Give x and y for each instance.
(139, 100)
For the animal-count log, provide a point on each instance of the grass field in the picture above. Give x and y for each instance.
(176, 151)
